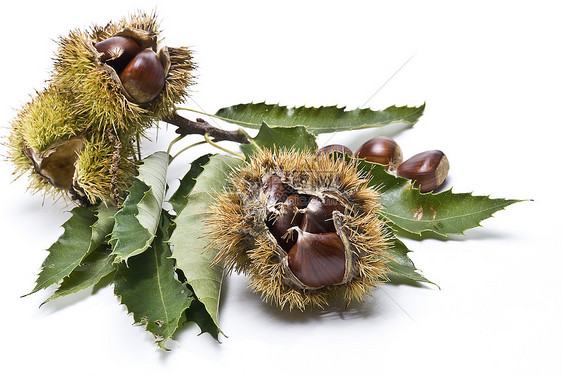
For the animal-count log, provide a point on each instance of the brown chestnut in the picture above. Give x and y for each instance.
(318, 259)
(329, 149)
(382, 150)
(144, 77)
(275, 192)
(318, 216)
(117, 51)
(428, 170)
(289, 216)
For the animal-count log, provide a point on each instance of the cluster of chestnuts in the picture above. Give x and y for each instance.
(140, 70)
(428, 170)
(302, 225)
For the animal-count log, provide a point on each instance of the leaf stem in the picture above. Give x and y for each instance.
(186, 148)
(211, 142)
(173, 142)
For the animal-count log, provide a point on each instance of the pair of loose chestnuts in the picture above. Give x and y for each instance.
(428, 170)
(140, 70)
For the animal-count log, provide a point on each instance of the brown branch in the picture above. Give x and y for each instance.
(200, 126)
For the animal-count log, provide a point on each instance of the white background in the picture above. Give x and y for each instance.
(490, 75)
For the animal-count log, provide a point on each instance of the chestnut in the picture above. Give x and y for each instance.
(275, 192)
(117, 51)
(428, 170)
(289, 216)
(329, 149)
(144, 77)
(318, 260)
(382, 150)
(318, 216)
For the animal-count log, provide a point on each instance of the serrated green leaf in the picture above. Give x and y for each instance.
(189, 246)
(198, 314)
(318, 119)
(296, 137)
(69, 250)
(444, 213)
(129, 237)
(93, 268)
(150, 290)
(101, 229)
(179, 199)
(402, 265)
(85, 231)
(137, 221)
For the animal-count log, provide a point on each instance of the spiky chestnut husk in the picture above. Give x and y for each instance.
(240, 227)
(64, 155)
(99, 176)
(96, 87)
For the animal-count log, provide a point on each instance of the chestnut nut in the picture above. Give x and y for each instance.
(144, 77)
(428, 170)
(382, 150)
(329, 149)
(117, 51)
(318, 259)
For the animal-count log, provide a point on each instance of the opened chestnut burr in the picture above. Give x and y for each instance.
(304, 227)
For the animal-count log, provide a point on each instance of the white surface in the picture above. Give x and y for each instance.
(490, 74)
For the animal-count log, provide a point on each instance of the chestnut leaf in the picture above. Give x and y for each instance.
(444, 213)
(84, 232)
(296, 137)
(401, 265)
(93, 268)
(179, 199)
(324, 119)
(148, 287)
(137, 221)
(189, 246)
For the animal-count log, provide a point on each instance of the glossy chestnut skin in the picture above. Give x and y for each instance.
(289, 217)
(117, 51)
(383, 150)
(275, 192)
(144, 77)
(328, 149)
(318, 259)
(318, 215)
(428, 170)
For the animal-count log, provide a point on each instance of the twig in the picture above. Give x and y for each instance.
(200, 126)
